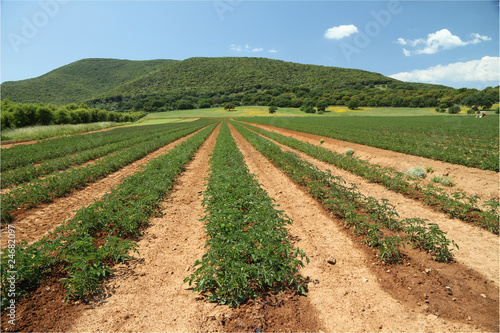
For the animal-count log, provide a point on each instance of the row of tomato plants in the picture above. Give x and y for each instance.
(57, 185)
(458, 205)
(248, 250)
(116, 143)
(23, 155)
(378, 222)
(100, 234)
(459, 140)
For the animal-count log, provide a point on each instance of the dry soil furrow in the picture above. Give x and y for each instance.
(470, 180)
(34, 224)
(152, 296)
(479, 249)
(346, 295)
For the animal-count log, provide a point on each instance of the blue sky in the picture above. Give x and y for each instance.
(455, 43)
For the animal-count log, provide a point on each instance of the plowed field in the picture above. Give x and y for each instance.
(354, 292)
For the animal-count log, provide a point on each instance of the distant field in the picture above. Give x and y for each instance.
(262, 111)
(151, 119)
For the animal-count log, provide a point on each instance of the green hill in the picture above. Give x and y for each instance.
(165, 85)
(78, 81)
(241, 74)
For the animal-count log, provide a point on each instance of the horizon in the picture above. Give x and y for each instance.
(457, 45)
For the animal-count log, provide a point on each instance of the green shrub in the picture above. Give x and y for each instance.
(417, 171)
(454, 109)
(349, 151)
(445, 181)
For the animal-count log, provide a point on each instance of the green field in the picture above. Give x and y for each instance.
(262, 111)
(457, 139)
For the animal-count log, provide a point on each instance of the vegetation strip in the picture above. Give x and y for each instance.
(459, 205)
(461, 140)
(248, 250)
(376, 221)
(99, 234)
(45, 190)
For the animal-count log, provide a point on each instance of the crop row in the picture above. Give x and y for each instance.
(376, 221)
(458, 140)
(248, 250)
(458, 205)
(27, 173)
(60, 184)
(23, 155)
(99, 235)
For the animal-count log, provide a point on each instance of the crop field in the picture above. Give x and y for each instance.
(463, 140)
(249, 223)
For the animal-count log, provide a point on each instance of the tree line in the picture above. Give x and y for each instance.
(387, 95)
(17, 115)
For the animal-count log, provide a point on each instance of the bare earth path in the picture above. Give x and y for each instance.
(347, 296)
(471, 180)
(479, 249)
(34, 224)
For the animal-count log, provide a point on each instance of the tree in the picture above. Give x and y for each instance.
(442, 107)
(353, 104)
(19, 118)
(229, 106)
(476, 100)
(273, 109)
(43, 115)
(454, 109)
(322, 105)
(61, 116)
(309, 109)
(205, 103)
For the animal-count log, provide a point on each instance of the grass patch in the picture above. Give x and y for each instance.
(44, 132)
(417, 171)
(445, 181)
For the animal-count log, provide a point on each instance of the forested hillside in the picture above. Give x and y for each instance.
(78, 81)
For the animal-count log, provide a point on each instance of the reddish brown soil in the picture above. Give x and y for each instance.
(34, 224)
(470, 180)
(44, 309)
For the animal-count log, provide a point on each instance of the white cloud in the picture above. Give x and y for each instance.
(482, 70)
(236, 48)
(246, 48)
(273, 51)
(438, 41)
(341, 31)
